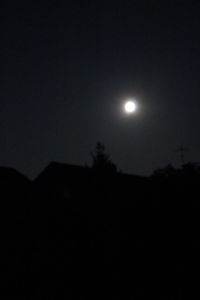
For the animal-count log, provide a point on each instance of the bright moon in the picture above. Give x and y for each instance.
(130, 107)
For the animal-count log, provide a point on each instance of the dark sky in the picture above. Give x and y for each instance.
(67, 66)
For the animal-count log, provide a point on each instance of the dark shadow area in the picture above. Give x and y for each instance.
(79, 233)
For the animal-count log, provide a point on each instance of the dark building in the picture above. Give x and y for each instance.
(86, 234)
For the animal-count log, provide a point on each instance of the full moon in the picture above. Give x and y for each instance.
(130, 107)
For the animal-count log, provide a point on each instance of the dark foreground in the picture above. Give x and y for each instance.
(73, 234)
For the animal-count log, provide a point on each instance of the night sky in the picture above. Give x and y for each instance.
(67, 66)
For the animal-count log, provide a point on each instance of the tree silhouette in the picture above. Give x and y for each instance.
(189, 169)
(101, 160)
(167, 171)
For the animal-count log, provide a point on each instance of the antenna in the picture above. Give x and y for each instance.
(181, 152)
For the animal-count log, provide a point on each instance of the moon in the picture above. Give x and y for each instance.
(130, 106)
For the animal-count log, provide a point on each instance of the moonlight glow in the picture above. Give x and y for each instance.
(130, 107)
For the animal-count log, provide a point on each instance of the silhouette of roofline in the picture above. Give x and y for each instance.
(12, 173)
(60, 167)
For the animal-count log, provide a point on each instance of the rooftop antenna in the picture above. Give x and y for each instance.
(181, 151)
